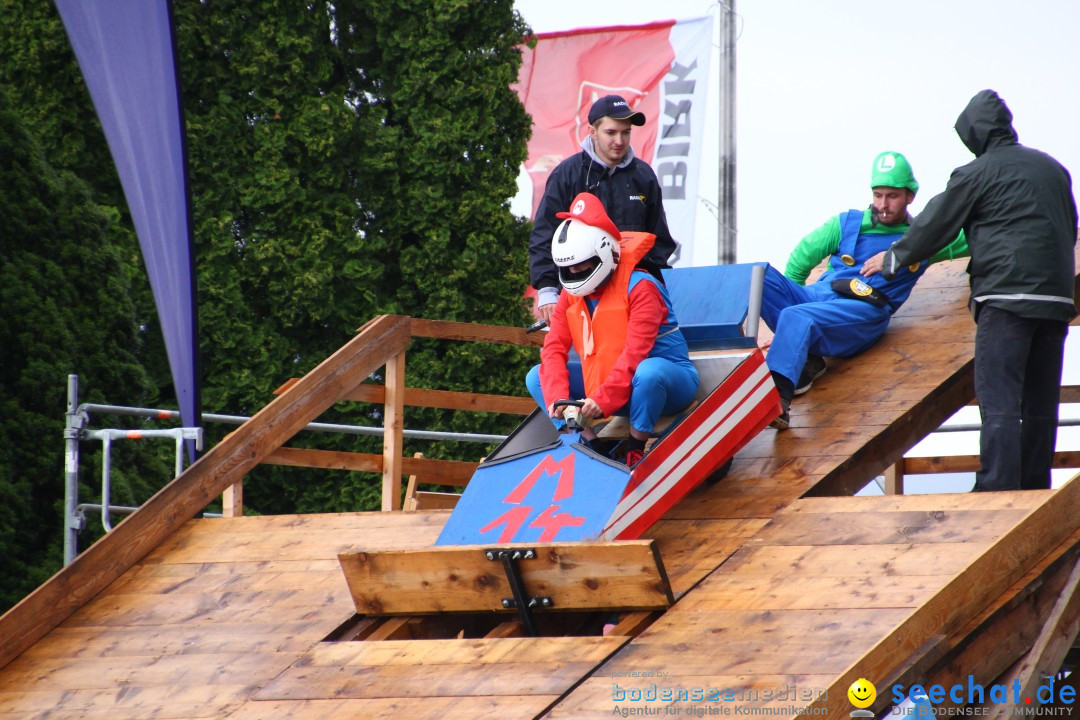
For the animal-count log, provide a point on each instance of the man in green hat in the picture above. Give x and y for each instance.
(849, 307)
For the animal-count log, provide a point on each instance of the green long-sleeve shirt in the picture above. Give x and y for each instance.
(825, 241)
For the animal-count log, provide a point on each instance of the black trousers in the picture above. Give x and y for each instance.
(1018, 384)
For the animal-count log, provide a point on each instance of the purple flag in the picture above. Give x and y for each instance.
(126, 53)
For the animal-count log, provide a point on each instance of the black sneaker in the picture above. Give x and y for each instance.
(814, 368)
(786, 391)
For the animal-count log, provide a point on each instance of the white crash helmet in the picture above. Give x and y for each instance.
(575, 243)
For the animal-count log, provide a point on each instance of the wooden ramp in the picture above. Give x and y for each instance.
(778, 590)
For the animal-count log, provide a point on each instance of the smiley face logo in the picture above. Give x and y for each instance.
(862, 693)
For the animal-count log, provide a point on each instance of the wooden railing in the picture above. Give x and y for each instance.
(394, 396)
(933, 465)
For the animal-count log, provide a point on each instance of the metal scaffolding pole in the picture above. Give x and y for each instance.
(726, 220)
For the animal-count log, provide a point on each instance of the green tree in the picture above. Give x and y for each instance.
(351, 160)
(67, 308)
(346, 159)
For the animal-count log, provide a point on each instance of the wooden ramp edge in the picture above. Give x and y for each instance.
(1045, 528)
(197, 486)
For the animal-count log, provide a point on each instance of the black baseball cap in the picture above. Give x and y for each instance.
(613, 106)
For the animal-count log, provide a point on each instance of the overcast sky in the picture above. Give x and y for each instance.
(823, 86)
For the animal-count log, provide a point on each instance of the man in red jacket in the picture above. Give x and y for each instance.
(614, 310)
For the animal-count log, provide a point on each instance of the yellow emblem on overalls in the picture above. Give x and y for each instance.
(860, 288)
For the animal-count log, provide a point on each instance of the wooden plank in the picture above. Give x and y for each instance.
(232, 500)
(615, 575)
(396, 681)
(510, 628)
(201, 582)
(888, 561)
(694, 548)
(475, 332)
(701, 629)
(894, 478)
(803, 655)
(472, 651)
(732, 592)
(414, 708)
(436, 500)
(1050, 647)
(1005, 561)
(443, 472)
(971, 463)
(258, 636)
(633, 623)
(141, 703)
(296, 544)
(136, 671)
(197, 486)
(986, 647)
(933, 526)
(442, 668)
(395, 628)
(393, 425)
(409, 503)
(208, 609)
(931, 502)
(443, 399)
(257, 524)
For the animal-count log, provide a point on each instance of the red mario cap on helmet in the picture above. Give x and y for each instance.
(588, 209)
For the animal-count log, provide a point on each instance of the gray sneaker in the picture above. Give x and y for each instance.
(814, 368)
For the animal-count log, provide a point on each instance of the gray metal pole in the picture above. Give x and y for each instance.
(753, 309)
(72, 430)
(726, 220)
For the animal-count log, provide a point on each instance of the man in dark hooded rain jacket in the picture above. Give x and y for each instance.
(1016, 206)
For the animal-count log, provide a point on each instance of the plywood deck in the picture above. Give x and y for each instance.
(226, 618)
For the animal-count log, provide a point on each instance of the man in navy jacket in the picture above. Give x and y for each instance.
(607, 168)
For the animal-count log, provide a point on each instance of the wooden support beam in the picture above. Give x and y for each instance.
(393, 424)
(446, 330)
(965, 596)
(894, 477)
(627, 575)
(888, 446)
(199, 484)
(395, 628)
(232, 500)
(436, 500)
(988, 645)
(443, 472)
(1046, 655)
(409, 503)
(442, 399)
(970, 463)
(510, 628)
(633, 623)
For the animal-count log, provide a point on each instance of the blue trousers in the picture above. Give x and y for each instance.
(660, 387)
(815, 319)
(1018, 383)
